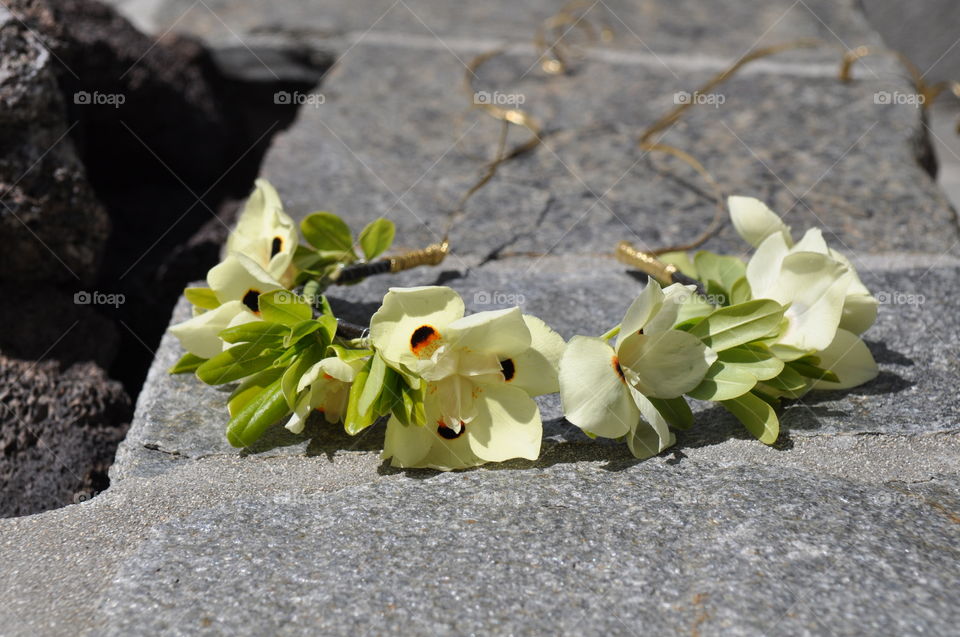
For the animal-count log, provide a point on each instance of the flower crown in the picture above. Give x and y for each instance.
(457, 390)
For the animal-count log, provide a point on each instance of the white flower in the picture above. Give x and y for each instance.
(265, 233)
(763, 229)
(237, 282)
(326, 388)
(828, 304)
(605, 390)
(480, 372)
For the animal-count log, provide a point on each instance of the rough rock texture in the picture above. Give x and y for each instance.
(51, 223)
(58, 429)
(847, 526)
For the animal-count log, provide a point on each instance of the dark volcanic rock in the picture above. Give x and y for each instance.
(58, 430)
(51, 225)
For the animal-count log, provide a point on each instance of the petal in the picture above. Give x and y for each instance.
(264, 232)
(815, 286)
(594, 394)
(201, 335)
(848, 358)
(764, 265)
(535, 370)
(675, 298)
(812, 241)
(238, 278)
(507, 426)
(859, 312)
(409, 325)
(754, 221)
(652, 433)
(298, 420)
(500, 332)
(407, 446)
(666, 364)
(338, 369)
(643, 308)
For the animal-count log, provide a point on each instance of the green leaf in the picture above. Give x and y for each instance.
(813, 371)
(302, 330)
(723, 269)
(296, 370)
(374, 385)
(187, 363)
(284, 306)
(756, 415)
(789, 381)
(236, 362)
(202, 297)
(355, 420)
(735, 325)
(740, 291)
(261, 412)
(724, 381)
(413, 403)
(377, 237)
(675, 411)
(251, 388)
(348, 355)
(758, 360)
(680, 260)
(391, 394)
(327, 231)
(272, 334)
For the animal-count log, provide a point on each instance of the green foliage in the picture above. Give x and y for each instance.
(377, 237)
(757, 415)
(203, 298)
(187, 363)
(675, 411)
(735, 325)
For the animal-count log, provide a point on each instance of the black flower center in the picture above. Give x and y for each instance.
(508, 368)
(422, 339)
(276, 246)
(449, 434)
(252, 300)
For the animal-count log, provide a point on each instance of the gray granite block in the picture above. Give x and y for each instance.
(179, 419)
(573, 548)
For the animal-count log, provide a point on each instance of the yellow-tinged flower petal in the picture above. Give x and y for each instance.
(500, 332)
(812, 241)
(860, 306)
(643, 308)
(664, 364)
(848, 358)
(200, 335)
(764, 266)
(264, 232)
(238, 278)
(754, 221)
(507, 425)
(407, 446)
(409, 325)
(535, 370)
(593, 391)
(298, 420)
(652, 433)
(675, 297)
(814, 286)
